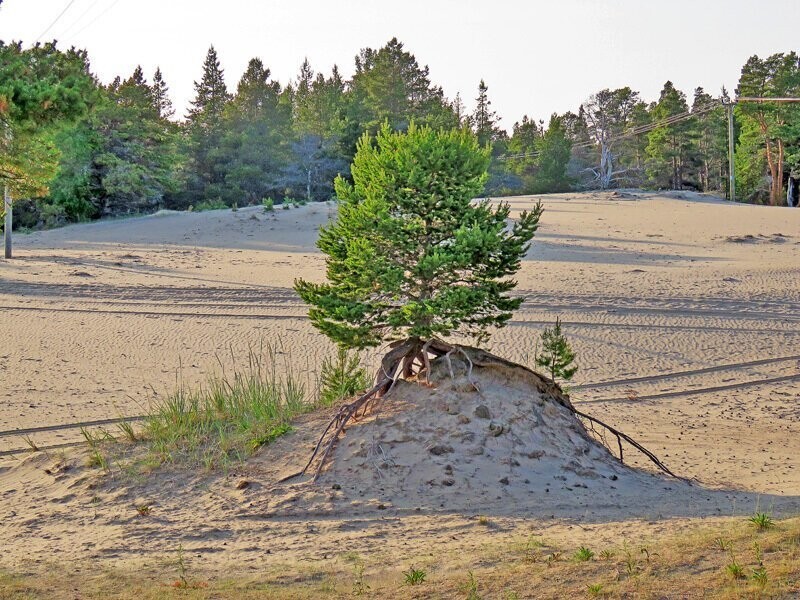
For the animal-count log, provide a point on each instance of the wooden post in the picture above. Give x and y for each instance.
(8, 223)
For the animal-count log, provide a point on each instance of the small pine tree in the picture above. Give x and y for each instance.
(411, 255)
(557, 355)
(342, 377)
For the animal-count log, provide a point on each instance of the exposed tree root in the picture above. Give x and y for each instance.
(412, 357)
(623, 436)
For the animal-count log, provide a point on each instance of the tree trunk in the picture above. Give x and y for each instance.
(8, 223)
(773, 172)
(308, 186)
(606, 166)
(778, 184)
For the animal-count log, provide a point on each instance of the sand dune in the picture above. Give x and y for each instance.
(682, 310)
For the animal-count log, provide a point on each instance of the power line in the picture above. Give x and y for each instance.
(80, 17)
(766, 100)
(671, 120)
(61, 14)
(90, 23)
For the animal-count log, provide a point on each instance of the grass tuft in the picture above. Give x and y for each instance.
(230, 417)
(414, 576)
(583, 554)
(762, 521)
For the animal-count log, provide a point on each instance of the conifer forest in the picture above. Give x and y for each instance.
(78, 149)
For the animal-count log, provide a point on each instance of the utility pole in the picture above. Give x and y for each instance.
(731, 172)
(7, 230)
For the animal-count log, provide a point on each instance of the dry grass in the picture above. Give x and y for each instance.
(690, 565)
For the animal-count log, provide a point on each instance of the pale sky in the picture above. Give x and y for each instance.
(537, 57)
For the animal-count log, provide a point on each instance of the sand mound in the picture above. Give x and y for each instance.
(503, 433)
(502, 438)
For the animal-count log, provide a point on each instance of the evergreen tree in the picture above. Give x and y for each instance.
(318, 153)
(582, 159)
(775, 76)
(254, 148)
(669, 146)
(211, 94)
(121, 159)
(557, 355)
(410, 255)
(484, 119)
(206, 175)
(631, 150)
(40, 88)
(160, 94)
(710, 164)
(523, 150)
(554, 153)
(389, 85)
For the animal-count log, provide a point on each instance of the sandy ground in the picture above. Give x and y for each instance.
(683, 311)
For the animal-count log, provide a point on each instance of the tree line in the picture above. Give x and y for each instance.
(83, 149)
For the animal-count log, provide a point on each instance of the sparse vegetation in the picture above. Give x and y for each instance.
(127, 430)
(595, 589)
(414, 576)
(209, 205)
(360, 587)
(471, 587)
(689, 563)
(759, 576)
(230, 417)
(268, 204)
(762, 521)
(30, 443)
(734, 569)
(583, 554)
(97, 459)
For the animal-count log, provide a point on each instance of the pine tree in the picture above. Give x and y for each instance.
(523, 150)
(484, 119)
(40, 88)
(389, 85)
(410, 255)
(669, 147)
(205, 126)
(254, 146)
(160, 94)
(554, 152)
(121, 159)
(557, 355)
(211, 94)
(775, 76)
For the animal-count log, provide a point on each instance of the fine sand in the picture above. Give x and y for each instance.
(683, 311)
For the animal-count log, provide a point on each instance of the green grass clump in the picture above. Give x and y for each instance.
(230, 417)
(583, 554)
(414, 576)
(762, 520)
(268, 204)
